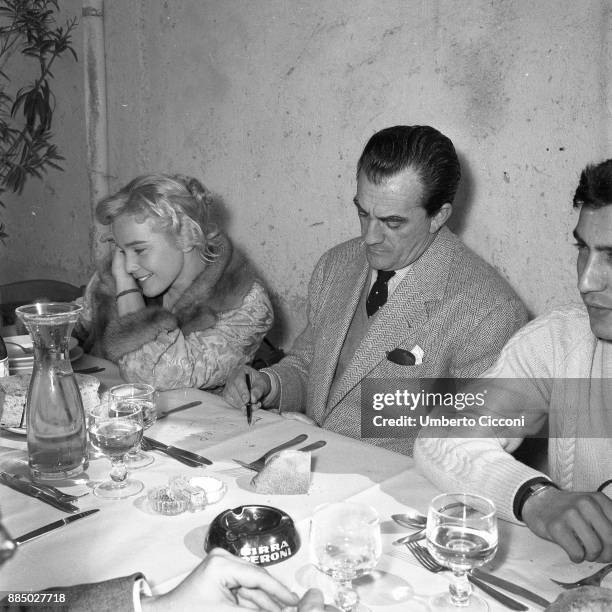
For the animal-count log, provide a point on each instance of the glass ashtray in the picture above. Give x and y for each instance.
(167, 500)
(200, 492)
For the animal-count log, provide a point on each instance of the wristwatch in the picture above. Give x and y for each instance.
(528, 489)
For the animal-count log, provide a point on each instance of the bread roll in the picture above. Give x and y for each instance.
(583, 599)
(14, 393)
(285, 473)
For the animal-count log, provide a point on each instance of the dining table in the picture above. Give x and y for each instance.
(127, 536)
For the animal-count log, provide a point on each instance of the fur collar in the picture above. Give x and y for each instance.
(221, 286)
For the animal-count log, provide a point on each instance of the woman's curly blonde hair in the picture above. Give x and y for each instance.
(180, 205)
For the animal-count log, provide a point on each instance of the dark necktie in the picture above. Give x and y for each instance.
(378, 293)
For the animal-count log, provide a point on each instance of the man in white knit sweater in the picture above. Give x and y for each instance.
(558, 368)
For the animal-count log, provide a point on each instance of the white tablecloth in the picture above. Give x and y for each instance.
(126, 536)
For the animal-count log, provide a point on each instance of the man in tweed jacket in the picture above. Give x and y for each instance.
(448, 312)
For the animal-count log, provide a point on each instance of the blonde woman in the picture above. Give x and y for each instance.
(174, 304)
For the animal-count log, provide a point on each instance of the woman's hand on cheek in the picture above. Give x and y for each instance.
(123, 280)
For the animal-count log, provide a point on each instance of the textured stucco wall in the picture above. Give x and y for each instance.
(49, 223)
(270, 102)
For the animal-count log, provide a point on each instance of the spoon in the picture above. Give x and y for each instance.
(26, 349)
(411, 520)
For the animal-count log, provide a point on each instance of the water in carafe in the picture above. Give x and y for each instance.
(55, 419)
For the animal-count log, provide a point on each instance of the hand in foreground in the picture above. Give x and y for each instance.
(579, 522)
(312, 601)
(236, 393)
(224, 583)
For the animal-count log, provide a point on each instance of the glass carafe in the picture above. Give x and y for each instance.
(56, 428)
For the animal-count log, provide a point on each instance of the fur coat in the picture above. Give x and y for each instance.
(156, 334)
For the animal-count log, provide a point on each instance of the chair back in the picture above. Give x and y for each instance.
(19, 293)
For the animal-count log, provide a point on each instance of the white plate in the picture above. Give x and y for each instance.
(76, 353)
(20, 362)
(20, 431)
(17, 355)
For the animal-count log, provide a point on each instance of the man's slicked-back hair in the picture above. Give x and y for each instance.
(421, 148)
(595, 186)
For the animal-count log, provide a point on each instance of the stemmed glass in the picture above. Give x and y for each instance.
(115, 434)
(122, 398)
(461, 535)
(345, 544)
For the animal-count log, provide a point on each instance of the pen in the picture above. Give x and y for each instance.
(249, 407)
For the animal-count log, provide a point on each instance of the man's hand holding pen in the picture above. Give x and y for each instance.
(244, 395)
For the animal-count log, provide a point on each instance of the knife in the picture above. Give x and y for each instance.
(176, 456)
(510, 587)
(26, 537)
(249, 406)
(91, 370)
(503, 599)
(282, 446)
(163, 415)
(178, 451)
(55, 492)
(28, 489)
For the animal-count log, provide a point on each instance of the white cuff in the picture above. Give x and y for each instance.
(271, 400)
(141, 587)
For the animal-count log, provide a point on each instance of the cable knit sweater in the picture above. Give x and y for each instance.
(544, 355)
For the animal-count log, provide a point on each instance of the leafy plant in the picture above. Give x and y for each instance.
(25, 117)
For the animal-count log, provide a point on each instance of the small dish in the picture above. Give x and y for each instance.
(167, 500)
(214, 489)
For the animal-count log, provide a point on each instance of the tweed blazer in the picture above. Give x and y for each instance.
(108, 596)
(451, 303)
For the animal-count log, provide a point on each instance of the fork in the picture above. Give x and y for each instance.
(413, 537)
(423, 556)
(258, 464)
(594, 580)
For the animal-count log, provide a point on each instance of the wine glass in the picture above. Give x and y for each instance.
(115, 434)
(122, 397)
(461, 535)
(345, 544)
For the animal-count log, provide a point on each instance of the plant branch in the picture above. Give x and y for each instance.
(25, 118)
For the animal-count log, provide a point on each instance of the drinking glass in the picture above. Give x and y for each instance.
(115, 434)
(122, 398)
(345, 544)
(461, 535)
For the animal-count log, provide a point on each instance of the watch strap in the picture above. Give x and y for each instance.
(528, 489)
